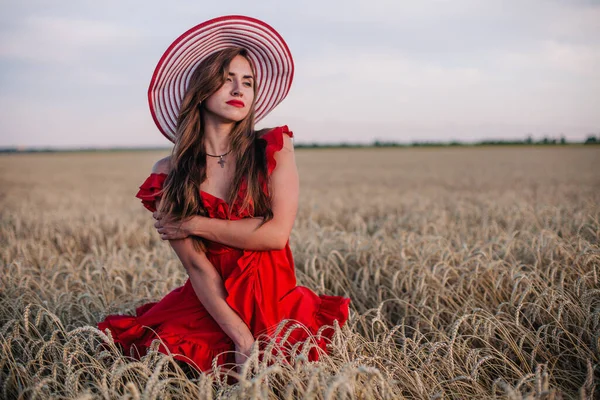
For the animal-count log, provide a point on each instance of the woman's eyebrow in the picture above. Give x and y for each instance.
(244, 77)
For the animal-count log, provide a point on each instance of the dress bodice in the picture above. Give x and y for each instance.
(150, 191)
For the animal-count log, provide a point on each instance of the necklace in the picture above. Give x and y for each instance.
(221, 161)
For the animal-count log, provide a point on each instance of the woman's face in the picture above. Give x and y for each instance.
(232, 102)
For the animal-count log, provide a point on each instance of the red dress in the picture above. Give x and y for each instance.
(261, 288)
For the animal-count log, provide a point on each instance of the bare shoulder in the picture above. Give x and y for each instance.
(162, 166)
(288, 143)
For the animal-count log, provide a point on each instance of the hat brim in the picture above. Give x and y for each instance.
(267, 50)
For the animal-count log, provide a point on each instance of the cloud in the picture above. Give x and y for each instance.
(575, 58)
(552, 56)
(28, 123)
(575, 22)
(56, 40)
(387, 68)
(365, 69)
(544, 88)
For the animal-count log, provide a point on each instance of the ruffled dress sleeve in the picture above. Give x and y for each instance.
(151, 190)
(274, 139)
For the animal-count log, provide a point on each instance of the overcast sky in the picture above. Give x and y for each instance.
(75, 73)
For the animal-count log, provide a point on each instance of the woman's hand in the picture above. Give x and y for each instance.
(242, 352)
(170, 228)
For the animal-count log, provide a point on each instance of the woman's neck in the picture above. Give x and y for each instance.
(216, 136)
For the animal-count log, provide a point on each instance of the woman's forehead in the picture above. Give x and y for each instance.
(240, 66)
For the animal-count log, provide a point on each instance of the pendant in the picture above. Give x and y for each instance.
(221, 162)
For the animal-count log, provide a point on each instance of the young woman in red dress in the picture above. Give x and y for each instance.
(226, 200)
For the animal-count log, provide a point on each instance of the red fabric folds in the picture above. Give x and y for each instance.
(180, 322)
(274, 139)
(261, 288)
(150, 190)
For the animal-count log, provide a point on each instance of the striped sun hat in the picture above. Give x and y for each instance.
(266, 48)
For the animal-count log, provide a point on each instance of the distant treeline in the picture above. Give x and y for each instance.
(529, 141)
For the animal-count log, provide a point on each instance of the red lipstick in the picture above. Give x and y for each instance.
(236, 103)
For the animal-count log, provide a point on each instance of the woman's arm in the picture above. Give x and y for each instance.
(208, 286)
(248, 233)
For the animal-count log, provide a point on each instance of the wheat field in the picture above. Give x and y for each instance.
(473, 273)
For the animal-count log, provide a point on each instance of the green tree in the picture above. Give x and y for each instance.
(591, 139)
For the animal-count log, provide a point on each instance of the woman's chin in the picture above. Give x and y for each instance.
(228, 118)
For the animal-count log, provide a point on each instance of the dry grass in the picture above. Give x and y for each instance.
(474, 273)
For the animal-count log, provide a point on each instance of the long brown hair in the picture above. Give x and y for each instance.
(181, 193)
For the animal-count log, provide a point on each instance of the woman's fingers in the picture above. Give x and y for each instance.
(170, 236)
(157, 215)
(167, 229)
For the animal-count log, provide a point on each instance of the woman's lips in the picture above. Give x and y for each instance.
(236, 103)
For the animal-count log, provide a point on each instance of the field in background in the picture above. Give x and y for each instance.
(473, 273)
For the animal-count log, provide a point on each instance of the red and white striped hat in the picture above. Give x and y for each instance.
(266, 48)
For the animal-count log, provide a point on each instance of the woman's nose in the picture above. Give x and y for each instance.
(235, 91)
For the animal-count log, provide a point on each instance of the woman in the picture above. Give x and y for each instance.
(226, 200)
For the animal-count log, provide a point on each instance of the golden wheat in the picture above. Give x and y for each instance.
(473, 273)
